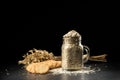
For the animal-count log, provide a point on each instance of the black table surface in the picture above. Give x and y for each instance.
(107, 71)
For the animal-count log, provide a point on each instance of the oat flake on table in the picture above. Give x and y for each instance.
(86, 70)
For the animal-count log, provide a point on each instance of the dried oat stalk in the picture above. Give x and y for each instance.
(34, 56)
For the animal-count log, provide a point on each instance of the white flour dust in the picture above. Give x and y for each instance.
(86, 70)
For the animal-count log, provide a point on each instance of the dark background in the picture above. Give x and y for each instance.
(98, 26)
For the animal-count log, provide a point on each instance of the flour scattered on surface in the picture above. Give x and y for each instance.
(7, 73)
(86, 70)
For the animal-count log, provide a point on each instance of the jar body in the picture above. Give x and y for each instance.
(72, 54)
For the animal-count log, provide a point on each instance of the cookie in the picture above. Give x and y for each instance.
(37, 68)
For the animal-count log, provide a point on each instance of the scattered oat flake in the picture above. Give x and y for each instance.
(86, 70)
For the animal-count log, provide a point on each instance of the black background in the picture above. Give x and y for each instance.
(98, 26)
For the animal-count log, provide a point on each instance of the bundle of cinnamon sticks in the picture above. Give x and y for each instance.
(101, 58)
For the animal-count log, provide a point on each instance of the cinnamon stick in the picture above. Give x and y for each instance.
(101, 58)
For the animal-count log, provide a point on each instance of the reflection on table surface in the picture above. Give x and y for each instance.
(107, 72)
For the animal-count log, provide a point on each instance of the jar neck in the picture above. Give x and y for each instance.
(73, 40)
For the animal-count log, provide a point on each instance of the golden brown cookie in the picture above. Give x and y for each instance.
(59, 63)
(43, 67)
(37, 68)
